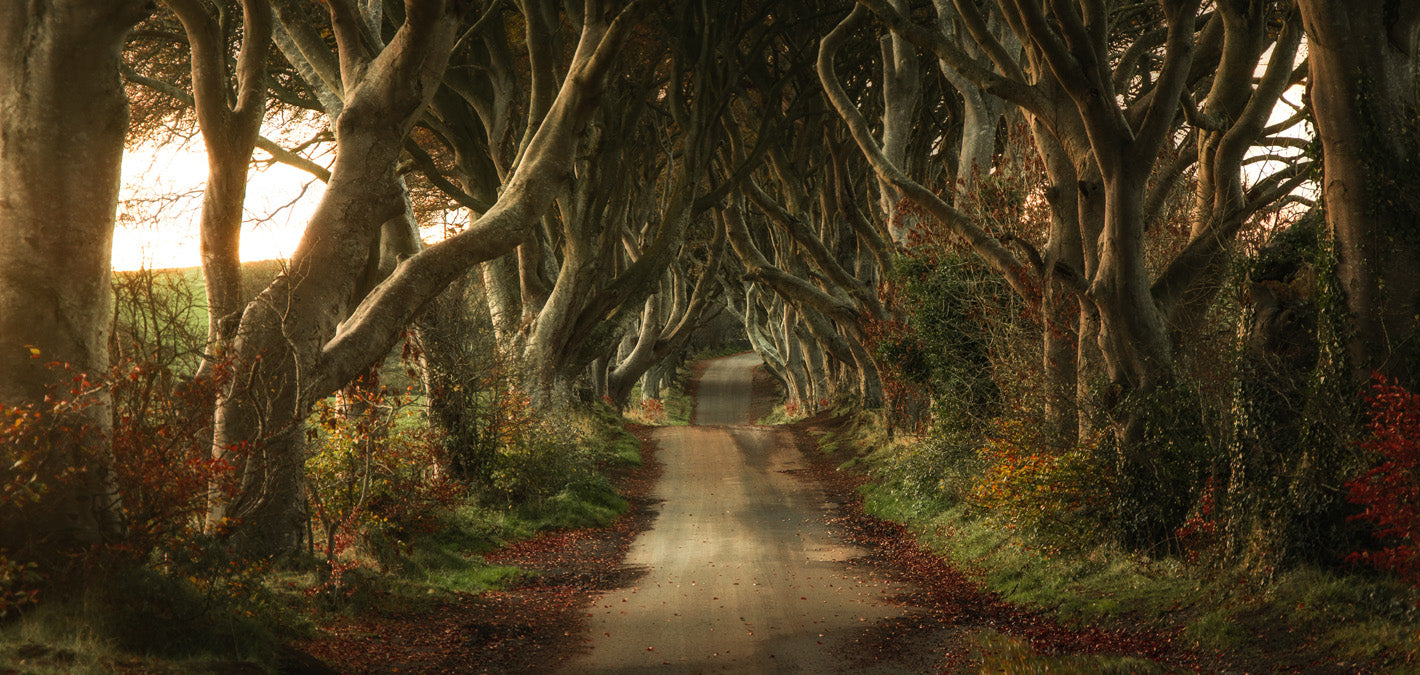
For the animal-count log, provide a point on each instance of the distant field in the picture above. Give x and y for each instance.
(255, 276)
(190, 307)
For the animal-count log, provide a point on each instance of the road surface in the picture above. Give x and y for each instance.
(740, 573)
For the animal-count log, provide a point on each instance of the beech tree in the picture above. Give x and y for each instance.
(1364, 60)
(299, 340)
(1111, 135)
(61, 145)
(230, 122)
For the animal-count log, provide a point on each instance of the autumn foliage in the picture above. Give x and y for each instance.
(1026, 483)
(1389, 493)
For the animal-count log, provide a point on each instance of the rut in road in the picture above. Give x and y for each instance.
(740, 572)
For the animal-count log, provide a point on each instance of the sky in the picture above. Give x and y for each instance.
(159, 234)
(160, 203)
(163, 234)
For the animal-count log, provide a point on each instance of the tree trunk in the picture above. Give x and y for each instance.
(817, 367)
(1363, 57)
(61, 145)
(500, 288)
(639, 360)
(902, 88)
(277, 370)
(981, 112)
(229, 133)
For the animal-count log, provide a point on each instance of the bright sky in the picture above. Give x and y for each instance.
(160, 204)
(162, 234)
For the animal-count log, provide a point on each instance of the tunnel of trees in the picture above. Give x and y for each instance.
(1168, 249)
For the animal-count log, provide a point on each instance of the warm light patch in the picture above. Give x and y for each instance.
(161, 202)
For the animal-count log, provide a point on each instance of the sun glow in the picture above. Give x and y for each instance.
(160, 204)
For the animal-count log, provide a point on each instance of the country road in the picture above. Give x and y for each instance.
(727, 562)
(739, 572)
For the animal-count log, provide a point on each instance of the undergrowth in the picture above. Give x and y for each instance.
(391, 527)
(673, 408)
(1315, 616)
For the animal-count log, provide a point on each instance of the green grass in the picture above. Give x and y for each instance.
(1305, 610)
(782, 414)
(676, 405)
(1001, 653)
(449, 559)
(605, 427)
(138, 619)
(592, 505)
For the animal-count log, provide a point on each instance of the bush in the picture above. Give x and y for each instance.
(940, 468)
(375, 478)
(1026, 483)
(1389, 493)
(942, 347)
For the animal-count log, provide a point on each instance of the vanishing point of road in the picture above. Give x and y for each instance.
(740, 573)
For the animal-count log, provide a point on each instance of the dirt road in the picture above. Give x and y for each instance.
(740, 573)
(734, 569)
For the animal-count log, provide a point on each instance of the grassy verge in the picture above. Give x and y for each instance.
(195, 607)
(1301, 618)
(783, 413)
(673, 408)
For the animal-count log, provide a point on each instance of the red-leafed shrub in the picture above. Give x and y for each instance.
(654, 410)
(1198, 535)
(1389, 493)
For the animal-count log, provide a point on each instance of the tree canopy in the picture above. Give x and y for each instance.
(957, 210)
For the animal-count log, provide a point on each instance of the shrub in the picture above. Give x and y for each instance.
(1025, 483)
(939, 468)
(653, 410)
(18, 585)
(162, 435)
(375, 478)
(1389, 493)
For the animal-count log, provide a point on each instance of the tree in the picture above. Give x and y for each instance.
(1364, 60)
(61, 144)
(1108, 126)
(299, 340)
(230, 123)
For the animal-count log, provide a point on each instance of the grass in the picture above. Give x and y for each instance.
(1001, 653)
(604, 426)
(220, 615)
(185, 285)
(783, 413)
(140, 620)
(1303, 613)
(672, 409)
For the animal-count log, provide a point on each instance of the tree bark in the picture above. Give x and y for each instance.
(902, 88)
(276, 369)
(230, 123)
(61, 145)
(1364, 58)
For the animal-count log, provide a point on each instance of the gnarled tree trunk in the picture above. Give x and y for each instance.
(1364, 57)
(61, 144)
